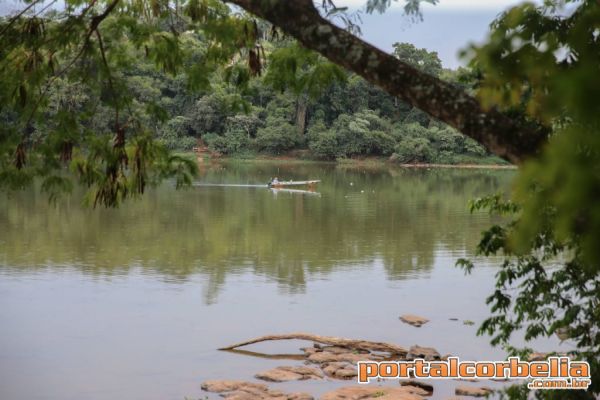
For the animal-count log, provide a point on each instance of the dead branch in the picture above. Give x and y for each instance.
(328, 340)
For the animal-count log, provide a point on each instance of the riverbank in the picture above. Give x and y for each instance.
(365, 162)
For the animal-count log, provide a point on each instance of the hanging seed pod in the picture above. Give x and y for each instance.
(22, 96)
(51, 64)
(66, 151)
(119, 145)
(20, 156)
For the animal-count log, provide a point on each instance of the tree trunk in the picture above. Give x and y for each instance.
(301, 113)
(511, 138)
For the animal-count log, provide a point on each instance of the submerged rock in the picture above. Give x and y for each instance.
(413, 320)
(423, 385)
(426, 353)
(473, 391)
(220, 386)
(241, 390)
(285, 374)
(375, 392)
(538, 356)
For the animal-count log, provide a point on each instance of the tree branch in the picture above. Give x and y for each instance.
(328, 340)
(513, 139)
(94, 24)
(19, 15)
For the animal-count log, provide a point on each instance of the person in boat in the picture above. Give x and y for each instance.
(274, 181)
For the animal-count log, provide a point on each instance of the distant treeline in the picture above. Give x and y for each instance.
(299, 102)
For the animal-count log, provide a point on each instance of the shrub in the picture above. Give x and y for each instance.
(324, 145)
(174, 134)
(364, 133)
(413, 150)
(277, 136)
(232, 142)
(474, 148)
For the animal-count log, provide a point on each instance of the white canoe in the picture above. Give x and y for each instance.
(293, 183)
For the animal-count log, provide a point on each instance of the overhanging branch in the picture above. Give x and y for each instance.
(513, 139)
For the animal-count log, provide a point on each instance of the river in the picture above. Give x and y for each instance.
(132, 303)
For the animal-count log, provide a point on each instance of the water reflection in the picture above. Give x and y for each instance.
(400, 218)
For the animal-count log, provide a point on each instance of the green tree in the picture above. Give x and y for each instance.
(422, 59)
(174, 134)
(277, 136)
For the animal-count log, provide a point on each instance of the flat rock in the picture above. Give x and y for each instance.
(538, 356)
(278, 375)
(420, 384)
(220, 386)
(340, 370)
(426, 353)
(346, 373)
(285, 374)
(473, 391)
(304, 370)
(413, 320)
(374, 392)
(240, 390)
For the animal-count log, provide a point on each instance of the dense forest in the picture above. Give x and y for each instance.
(297, 104)
(337, 115)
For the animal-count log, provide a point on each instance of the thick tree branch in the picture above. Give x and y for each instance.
(513, 139)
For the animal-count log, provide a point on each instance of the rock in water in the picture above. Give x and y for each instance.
(340, 370)
(221, 386)
(376, 392)
(240, 390)
(413, 320)
(426, 353)
(473, 391)
(285, 374)
(423, 385)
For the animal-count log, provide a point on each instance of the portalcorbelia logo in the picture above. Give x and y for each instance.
(554, 373)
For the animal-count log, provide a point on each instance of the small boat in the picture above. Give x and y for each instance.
(281, 184)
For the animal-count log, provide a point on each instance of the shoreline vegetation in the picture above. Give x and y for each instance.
(365, 162)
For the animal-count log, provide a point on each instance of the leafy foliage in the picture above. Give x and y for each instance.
(544, 61)
(419, 58)
(548, 290)
(277, 136)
